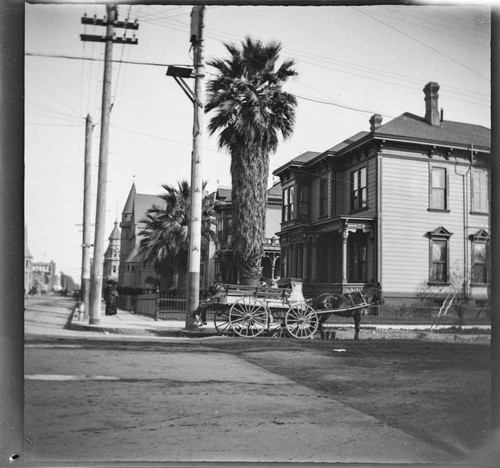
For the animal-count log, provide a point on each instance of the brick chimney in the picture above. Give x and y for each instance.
(431, 103)
(375, 122)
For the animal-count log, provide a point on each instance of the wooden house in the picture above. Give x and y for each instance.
(405, 204)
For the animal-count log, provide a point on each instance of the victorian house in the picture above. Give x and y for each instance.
(403, 204)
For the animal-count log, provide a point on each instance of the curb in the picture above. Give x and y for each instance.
(202, 333)
(143, 331)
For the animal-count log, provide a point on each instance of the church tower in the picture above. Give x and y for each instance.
(128, 231)
(112, 256)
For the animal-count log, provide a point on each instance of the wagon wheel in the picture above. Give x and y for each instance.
(221, 321)
(248, 316)
(301, 321)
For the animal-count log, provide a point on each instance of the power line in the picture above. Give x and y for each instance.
(362, 71)
(339, 105)
(422, 43)
(165, 139)
(92, 59)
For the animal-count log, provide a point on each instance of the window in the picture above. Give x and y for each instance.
(479, 273)
(439, 256)
(288, 203)
(479, 252)
(439, 261)
(438, 185)
(358, 189)
(228, 229)
(479, 191)
(323, 194)
(304, 202)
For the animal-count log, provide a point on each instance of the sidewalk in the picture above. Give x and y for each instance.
(127, 323)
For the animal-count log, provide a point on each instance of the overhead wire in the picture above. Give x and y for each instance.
(433, 23)
(311, 99)
(390, 26)
(346, 67)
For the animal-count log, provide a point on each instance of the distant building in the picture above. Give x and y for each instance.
(112, 256)
(132, 272)
(404, 204)
(28, 264)
(45, 279)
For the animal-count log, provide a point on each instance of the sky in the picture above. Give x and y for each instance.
(352, 62)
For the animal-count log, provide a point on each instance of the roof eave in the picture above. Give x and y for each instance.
(421, 141)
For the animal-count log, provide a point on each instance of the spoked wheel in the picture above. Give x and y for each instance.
(248, 316)
(301, 321)
(221, 321)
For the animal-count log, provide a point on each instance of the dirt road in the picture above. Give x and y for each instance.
(265, 399)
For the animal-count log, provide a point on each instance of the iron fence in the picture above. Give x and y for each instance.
(394, 312)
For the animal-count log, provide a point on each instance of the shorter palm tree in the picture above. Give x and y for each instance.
(165, 237)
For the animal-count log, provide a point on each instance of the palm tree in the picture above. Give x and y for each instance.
(165, 236)
(251, 111)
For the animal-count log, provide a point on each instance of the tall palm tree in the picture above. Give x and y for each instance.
(165, 236)
(251, 111)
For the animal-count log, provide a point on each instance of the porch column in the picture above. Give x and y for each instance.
(305, 254)
(345, 235)
(314, 262)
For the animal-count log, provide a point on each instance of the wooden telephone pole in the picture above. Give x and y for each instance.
(97, 267)
(87, 197)
(194, 255)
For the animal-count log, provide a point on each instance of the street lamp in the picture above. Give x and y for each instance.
(179, 74)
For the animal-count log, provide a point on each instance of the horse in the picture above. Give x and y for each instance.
(350, 305)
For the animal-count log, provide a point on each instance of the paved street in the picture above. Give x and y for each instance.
(94, 398)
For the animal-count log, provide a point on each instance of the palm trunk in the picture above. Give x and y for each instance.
(249, 173)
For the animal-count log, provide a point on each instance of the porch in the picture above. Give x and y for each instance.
(338, 256)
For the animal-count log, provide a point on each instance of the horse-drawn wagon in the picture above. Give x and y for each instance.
(281, 311)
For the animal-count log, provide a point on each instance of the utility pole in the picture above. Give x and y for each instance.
(495, 226)
(87, 196)
(97, 267)
(194, 255)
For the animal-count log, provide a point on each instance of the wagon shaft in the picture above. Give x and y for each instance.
(339, 311)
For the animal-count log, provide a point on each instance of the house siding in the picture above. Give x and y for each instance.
(273, 220)
(406, 220)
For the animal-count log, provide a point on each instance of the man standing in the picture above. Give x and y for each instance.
(110, 297)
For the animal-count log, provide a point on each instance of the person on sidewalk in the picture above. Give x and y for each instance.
(215, 294)
(110, 298)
